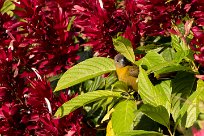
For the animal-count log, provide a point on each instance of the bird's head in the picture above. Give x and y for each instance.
(120, 61)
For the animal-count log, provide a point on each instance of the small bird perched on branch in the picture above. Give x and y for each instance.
(126, 72)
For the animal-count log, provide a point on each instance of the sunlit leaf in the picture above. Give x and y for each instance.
(148, 92)
(85, 70)
(124, 47)
(84, 99)
(123, 116)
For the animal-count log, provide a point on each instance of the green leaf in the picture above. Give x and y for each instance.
(85, 70)
(182, 86)
(151, 59)
(173, 68)
(120, 86)
(175, 43)
(71, 21)
(7, 7)
(149, 47)
(158, 113)
(95, 84)
(180, 47)
(168, 54)
(190, 109)
(165, 86)
(140, 133)
(149, 124)
(84, 99)
(149, 93)
(111, 79)
(123, 116)
(124, 46)
(179, 56)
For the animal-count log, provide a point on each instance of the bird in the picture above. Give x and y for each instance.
(126, 71)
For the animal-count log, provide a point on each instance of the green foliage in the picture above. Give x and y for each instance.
(171, 91)
(123, 116)
(124, 46)
(158, 113)
(140, 133)
(149, 93)
(85, 70)
(84, 99)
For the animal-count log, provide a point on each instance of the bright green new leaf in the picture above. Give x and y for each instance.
(156, 113)
(124, 46)
(148, 92)
(85, 70)
(84, 99)
(123, 116)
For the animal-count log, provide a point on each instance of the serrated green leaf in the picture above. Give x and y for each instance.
(95, 84)
(85, 70)
(140, 133)
(182, 86)
(84, 99)
(191, 106)
(175, 43)
(180, 47)
(149, 93)
(168, 54)
(124, 46)
(111, 79)
(156, 113)
(165, 86)
(123, 116)
(120, 86)
(179, 56)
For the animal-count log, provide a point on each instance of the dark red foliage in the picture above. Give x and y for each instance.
(99, 22)
(30, 50)
(195, 9)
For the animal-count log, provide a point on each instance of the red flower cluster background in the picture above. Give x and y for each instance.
(36, 43)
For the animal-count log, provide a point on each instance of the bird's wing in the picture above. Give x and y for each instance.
(133, 71)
